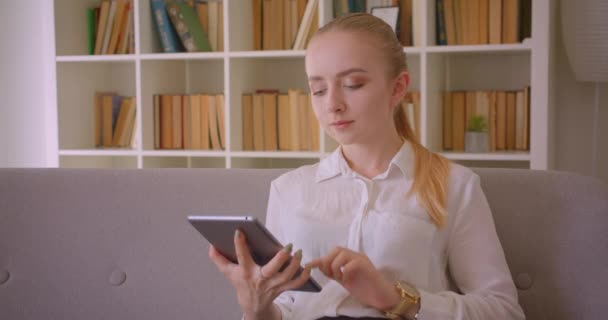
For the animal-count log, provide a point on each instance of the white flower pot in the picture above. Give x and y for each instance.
(476, 142)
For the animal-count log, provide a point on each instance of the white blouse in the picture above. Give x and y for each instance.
(460, 269)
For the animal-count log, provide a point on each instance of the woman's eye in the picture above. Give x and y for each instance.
(354, 86)
(318, 92)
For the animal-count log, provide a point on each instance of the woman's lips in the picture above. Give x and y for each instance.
(341, 124)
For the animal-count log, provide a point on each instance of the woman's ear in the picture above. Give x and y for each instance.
(400, 86)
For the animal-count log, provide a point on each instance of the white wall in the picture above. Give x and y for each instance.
(574, 120)
(28, 130)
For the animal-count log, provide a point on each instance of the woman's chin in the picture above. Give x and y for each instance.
(343, 139)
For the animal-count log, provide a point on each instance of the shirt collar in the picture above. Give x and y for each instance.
(335, 164)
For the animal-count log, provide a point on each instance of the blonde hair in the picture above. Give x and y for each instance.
(431, 169)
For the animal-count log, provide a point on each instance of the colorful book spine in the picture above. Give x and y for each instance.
(440, 24)
(168, 38)
(187, 26)
(91, 30)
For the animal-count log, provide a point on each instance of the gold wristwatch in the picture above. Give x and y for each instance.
(410, 298)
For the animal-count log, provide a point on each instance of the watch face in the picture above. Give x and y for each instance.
(411, 291)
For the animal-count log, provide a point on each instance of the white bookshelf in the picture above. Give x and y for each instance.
(238, 70)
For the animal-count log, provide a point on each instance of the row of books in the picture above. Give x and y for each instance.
(189, 25)
(470, 22)
(110, 27)
(283, 24)
(194, 121)
(505, 113)
(115, 124)
(279, 121)
(408, 15)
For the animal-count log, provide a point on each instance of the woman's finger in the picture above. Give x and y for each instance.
(243, 255)
(297, 282)
(325, 265)
(221, 262)
(338, 262)
(290, 270)
(278, 261)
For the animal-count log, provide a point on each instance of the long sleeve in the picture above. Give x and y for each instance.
(273, 222)
(477, 265)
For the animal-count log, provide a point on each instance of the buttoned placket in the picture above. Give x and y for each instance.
(355, 234)
(356, 229)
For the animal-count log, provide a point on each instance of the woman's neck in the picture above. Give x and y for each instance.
(371, 160)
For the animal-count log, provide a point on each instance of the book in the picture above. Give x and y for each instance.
(91, 30)
(510, 21)
(188, 28)
(106, 115)
(220, 26)
(473, 21)
(492, 121)
(187, 125)
(100, 115)
(204, 121)
(247, 119)
(511, 120)
(166, 122)
(305, 25)
(404, 23)
(212, 27)
(107, 34)
(314, 126)
(202, 13)
(283, 122)
(294, 123)
(122, 9)
(450, 22)
(213, 123)
(195, 120)
(304, 123)
(258, 123)
(257, 24)
(519, 120)
(166, 33)
(484, 23)
(177, 121)
(219, 102)
(501, 120)
(101, 26)
(269, 101)
(124, 122)
(447, 121)
(458, 120)
(440, 24)
(495, 22)
(526, 138)
(156, 100)
(123, 38)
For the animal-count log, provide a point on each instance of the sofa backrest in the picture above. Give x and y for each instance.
(115, 244)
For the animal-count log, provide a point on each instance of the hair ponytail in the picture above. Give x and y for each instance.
(430, 173)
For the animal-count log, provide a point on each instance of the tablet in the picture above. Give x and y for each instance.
(219, 231)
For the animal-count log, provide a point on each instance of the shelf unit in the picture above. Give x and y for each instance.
(238, 70)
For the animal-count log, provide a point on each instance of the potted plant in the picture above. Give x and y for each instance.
(476, 138)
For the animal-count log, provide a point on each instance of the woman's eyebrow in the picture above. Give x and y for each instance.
(339, 74)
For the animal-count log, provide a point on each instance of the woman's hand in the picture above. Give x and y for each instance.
(356, 273)
(258, 286)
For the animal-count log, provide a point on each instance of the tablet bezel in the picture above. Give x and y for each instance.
(219, 231)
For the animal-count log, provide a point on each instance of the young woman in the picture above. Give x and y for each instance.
(388, 228)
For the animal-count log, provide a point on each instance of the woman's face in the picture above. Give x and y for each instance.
(352, 95)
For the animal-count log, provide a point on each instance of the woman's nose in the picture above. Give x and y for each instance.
(335, 100)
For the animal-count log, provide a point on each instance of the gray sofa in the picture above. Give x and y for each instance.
(115, 244)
